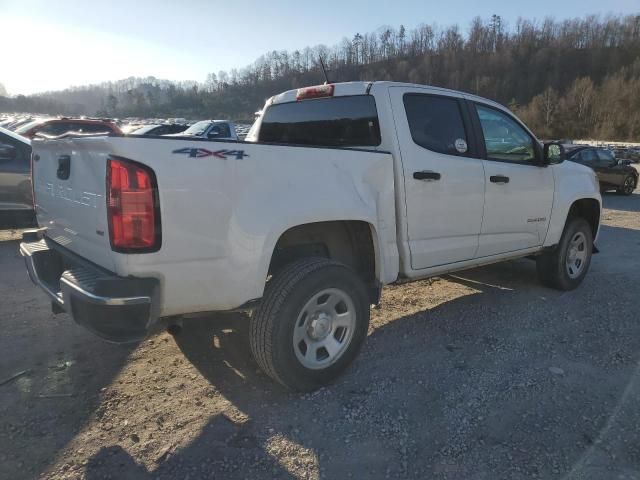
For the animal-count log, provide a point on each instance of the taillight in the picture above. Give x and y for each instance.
(132, 207)
(318, 91)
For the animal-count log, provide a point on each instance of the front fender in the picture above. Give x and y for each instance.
(573, 182)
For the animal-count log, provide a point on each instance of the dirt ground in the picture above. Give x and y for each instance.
(480, 375)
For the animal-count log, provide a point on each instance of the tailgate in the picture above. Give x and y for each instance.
(69, 178)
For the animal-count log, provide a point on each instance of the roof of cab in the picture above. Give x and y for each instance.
(362, 88)
(341, 90)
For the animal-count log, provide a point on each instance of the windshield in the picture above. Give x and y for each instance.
(197, 128)
(143, 130)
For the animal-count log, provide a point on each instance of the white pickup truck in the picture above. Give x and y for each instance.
(339, 190)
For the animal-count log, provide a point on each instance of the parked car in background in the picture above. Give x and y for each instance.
(131, 127)
(18, 122)
(612, 174)
(15, 172)
(180, 120)
(6, 121)
(33, 123)
(165, 129)
(210, 129)
(58, 126)
(621, 153)
(242, 130)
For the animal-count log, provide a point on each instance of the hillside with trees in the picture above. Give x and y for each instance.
(567, 79)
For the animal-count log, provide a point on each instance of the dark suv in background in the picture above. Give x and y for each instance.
(612, 174)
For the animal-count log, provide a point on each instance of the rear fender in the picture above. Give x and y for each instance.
(367, 198)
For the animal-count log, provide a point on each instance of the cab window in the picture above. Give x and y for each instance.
(436, 123)
(504, 138)
(350, 121)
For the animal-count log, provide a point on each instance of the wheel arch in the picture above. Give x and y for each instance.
(588, 206)
(589, 209)
(352, 242)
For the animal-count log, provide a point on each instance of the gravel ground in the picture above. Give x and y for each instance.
(481, 375)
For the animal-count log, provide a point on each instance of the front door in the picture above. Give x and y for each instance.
(519, 192)
(443, 178)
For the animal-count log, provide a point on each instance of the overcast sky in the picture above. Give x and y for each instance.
(50, 45)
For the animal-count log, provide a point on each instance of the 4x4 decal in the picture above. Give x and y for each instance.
(203, 152)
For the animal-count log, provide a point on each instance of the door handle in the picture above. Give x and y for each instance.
(426, 175)
(499, 179)
(64, 167)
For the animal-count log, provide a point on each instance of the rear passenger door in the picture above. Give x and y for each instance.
(519, 191)
(444, 179)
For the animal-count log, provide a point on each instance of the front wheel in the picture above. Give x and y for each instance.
(628, 186)
(565, 267)
(311, 323)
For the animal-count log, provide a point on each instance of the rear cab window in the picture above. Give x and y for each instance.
(436, 123)
(343, 121)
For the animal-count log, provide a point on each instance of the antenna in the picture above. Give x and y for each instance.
(324, 71)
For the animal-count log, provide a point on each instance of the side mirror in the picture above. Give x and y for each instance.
(214, 132)
(553, 153)
(7, 153)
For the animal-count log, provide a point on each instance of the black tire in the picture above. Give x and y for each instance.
(628, 186)
(272, 324)
(551, 266)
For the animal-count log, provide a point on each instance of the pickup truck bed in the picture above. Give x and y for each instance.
(215, 226)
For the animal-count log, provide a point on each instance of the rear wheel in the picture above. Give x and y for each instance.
(628, 186)
(312, 321)
(565, 267)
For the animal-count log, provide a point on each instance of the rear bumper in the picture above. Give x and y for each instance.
(118, 309)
